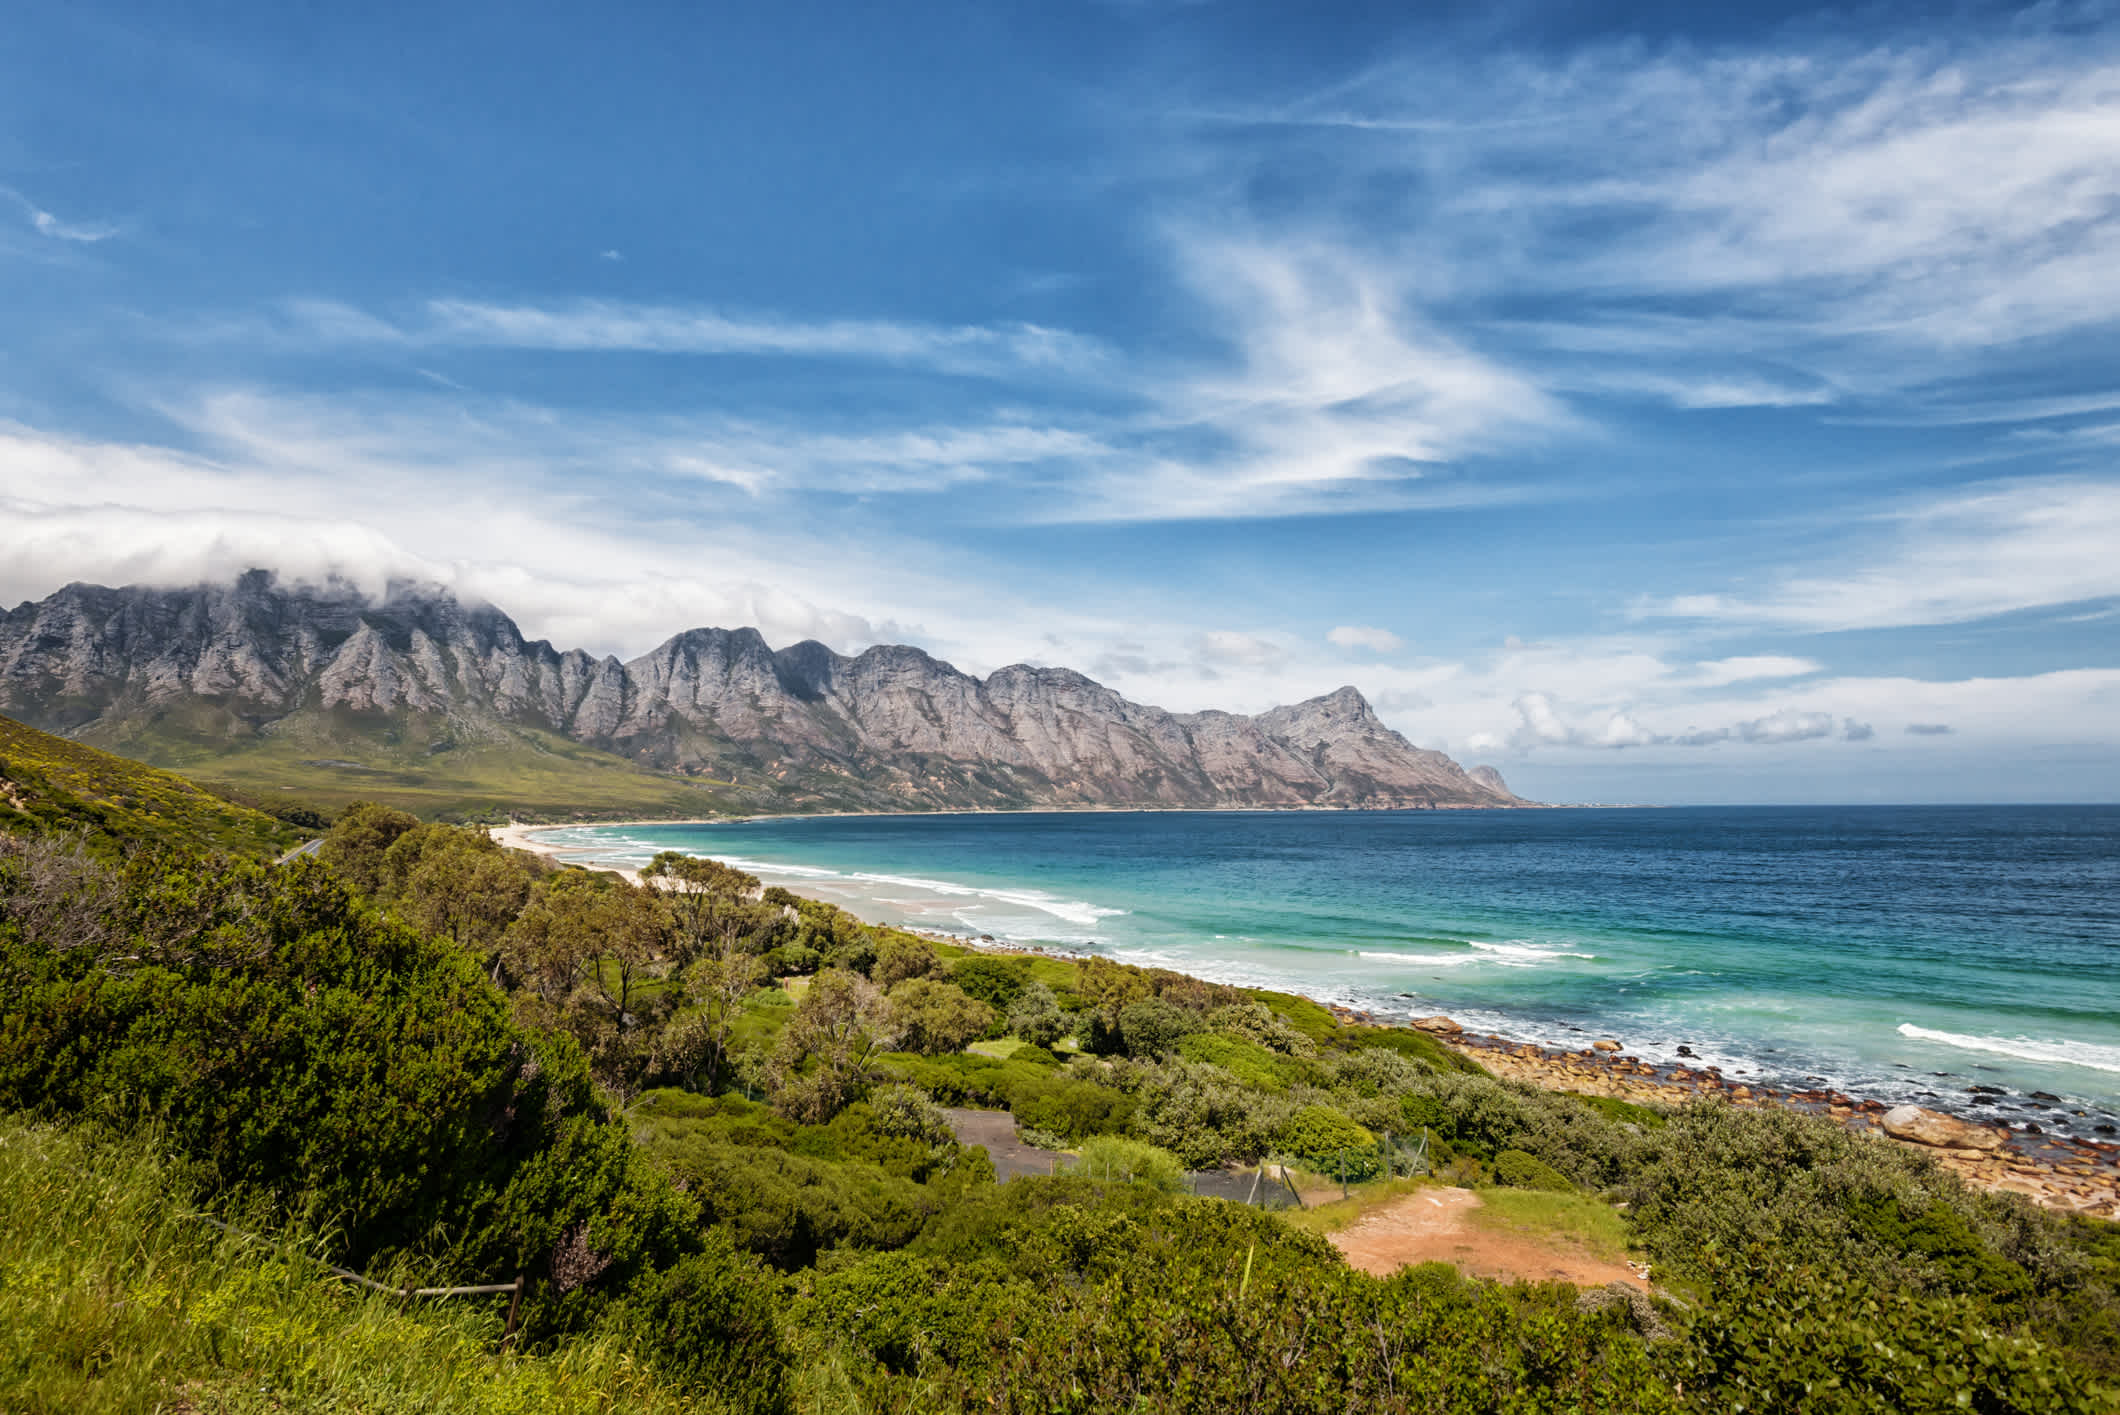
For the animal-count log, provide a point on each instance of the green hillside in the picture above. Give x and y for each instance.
(423, 764)
(56, 783)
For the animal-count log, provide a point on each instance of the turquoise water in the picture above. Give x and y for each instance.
(1897, 952)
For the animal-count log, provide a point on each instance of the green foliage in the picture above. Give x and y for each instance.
(1150, 1027)
(906, 1113)
(1782, 1337)
(709, 1325)
(116, 1297)
(300, 1047)
(1247, 1061)
(997, 982)
(901, 957)
(1114, 1158)
(1328, 1141)
(50, 783)
(1259, 1024)
(1415, 1046)
(1521, 1171)
(1035, 1016)
(1206, 1116)
(932, 1017)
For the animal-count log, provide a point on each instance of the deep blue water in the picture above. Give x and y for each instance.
(1902, 952)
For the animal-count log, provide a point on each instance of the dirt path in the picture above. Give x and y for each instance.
(996, 1129)
(1434, 1225)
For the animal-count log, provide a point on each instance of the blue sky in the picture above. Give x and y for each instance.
(1661, 406)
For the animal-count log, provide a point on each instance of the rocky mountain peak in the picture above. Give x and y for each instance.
(893, 727)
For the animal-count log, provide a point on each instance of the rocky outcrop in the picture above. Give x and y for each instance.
(1933, 1127)
(889, 727)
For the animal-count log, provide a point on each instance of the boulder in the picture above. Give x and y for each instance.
(1932, 1127)
(1437, 1024)
(1605, 1044)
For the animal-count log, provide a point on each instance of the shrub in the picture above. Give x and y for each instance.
(1205, 1117)
(1317, 1131)
(1255, 1022)
(937, 1017)
(1150, 1027)
(906, 1113)
(708, 1323)
(1521, 1171)
(1112, 1157)
(901, 956)
(1036, 1017)
(997, 982)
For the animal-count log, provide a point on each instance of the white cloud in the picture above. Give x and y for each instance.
(1724, 671)
(611, 326)
(1963, 555)
(1364, 636)
(1226, 646)
(1751, 226)
(47, 224)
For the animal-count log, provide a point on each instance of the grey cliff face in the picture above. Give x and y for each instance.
(890, 726)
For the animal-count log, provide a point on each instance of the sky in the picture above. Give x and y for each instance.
(1662, 403)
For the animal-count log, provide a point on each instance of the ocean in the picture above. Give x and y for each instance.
(1903, 953)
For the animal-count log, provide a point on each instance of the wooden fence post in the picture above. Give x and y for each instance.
(515, 1303)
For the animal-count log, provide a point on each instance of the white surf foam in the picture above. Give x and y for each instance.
(1517, 953)
(2089, 1055)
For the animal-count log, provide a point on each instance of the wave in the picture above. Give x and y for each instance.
(2089, 1055)
(1517, 953)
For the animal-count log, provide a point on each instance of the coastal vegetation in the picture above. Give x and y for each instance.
(702, 1121)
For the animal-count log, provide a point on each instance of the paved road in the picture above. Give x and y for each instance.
(306, 848)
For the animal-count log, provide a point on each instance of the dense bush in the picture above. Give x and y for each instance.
(997, 982)
(297, 1045)
(1035, 1016)
(709, 1324)
(1521, 1171)
(1150, 1027)
(931, 1016)
(1110, 1157)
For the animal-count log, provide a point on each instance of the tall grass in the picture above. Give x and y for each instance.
(114, 1297)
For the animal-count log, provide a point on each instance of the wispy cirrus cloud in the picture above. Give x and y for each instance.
(47, 224)
(1798, 223)
(1945, 558)
(610, 326)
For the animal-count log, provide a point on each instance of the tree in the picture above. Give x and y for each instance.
(828, 1050)
(900, 957)
(1036, 1017)
(355, 847)
(588, 957)
(935, 1017)
(459, 885)
(708, 902)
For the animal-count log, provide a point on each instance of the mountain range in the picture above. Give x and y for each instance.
(446, 706)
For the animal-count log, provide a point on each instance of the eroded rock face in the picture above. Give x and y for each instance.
(1933, 1127)
(889, 725)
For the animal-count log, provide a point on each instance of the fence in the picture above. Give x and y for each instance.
(406, 1294)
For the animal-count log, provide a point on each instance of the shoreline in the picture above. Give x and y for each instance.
(2058, 1172)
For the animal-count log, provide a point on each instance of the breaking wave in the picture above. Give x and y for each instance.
(2090, 1055)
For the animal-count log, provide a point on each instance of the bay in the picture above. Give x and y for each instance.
(1906, 953)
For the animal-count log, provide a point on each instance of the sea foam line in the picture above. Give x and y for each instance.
(2089, 1055)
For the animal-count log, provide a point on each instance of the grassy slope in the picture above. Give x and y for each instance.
(61, 783)
(113, 1297)
(419, 764)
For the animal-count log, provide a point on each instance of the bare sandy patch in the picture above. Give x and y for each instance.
(1435, 1225)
